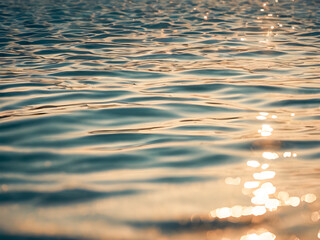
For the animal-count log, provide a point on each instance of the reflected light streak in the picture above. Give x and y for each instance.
(251, 184)
(309, 198)
(260, 199)
(272, 204)
(233, 181)
(238, 211)
(315, 216)
(262, 195)
(262, 236)
(270, 155)
(283, 196)
(253, 163)
(266, 130)
(264, 175)
(287, 154)
(293, 201)
(261, 117)
(259, 210)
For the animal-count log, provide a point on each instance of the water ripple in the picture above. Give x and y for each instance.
(149, 118)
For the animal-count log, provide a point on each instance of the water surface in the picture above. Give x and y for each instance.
(141, 119)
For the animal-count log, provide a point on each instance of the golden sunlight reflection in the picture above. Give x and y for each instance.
(289, 154)
(264, 175)
(251, 184)
(315, 216)
(233, 181)
(272, 204)
(293, 201)
(253, 163)
(262, 236)
(266, 130)
(237, 211)
(270, 155)
(283, 196)
(261, 117)
(309, 198)
(262, 191)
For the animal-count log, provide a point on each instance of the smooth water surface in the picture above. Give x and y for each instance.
(159, 119)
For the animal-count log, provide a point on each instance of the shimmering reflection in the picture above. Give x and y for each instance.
(164, 119)
(264, 175)
(266, 130)
(253, 163)
(265, 198)
(270, 155)
(262, 236)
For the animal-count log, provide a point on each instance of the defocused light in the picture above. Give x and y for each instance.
(309, 198)
(265, 166)
(247, 211)
(270, 155)
(293, 201)
(272, 204)
(236, 211)
(258, 210)
(268, 188)
(262, 194)
(251, 184)
(232, 181)
(261, 117)
(264, 175)
(253, 163)
(315, 216)
(283, 196)
(266, 130)
(287, 154)
(223, 212)
(260, 199)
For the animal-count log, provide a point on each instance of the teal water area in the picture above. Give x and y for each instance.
(181, 119)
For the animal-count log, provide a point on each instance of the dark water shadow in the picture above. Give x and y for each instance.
(174, 226)
(7, 236)
(63, 197)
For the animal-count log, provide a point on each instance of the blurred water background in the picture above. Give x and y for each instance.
(160, 119)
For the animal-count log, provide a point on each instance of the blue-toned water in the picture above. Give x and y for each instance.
(140, 120)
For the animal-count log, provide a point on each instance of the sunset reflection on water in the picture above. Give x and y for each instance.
(159, 119)
(263, 193)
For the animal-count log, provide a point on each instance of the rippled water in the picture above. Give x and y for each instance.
(181, 119)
